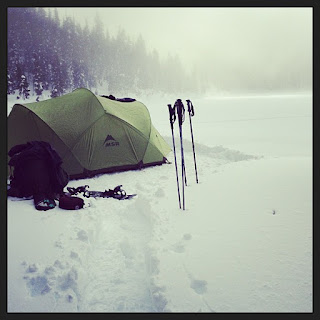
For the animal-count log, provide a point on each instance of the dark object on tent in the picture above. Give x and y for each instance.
(37, 172)
(111, 97)
(118, 99)
(91, 134)
(117, 193)
(70, 203)
(126, 99)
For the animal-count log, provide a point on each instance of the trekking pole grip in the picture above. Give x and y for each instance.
(190, 107)
(180, 111)
(172, 114)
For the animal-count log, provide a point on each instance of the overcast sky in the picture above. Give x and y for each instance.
(217, 40)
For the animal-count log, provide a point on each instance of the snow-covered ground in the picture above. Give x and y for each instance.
(243, 244)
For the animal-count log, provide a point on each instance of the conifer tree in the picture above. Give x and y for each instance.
(10, 86)
(24, 87)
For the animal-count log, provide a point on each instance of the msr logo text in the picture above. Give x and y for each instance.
(110, 141)
(112, 144)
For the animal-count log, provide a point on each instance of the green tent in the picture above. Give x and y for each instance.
(92, 134)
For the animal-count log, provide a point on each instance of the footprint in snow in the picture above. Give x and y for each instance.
(58, 244)
(41, 280)
(32, 268)
(82, 236)
(199, 286)
(180, 246)
(187, 236)
(160, 193)
(75, 256)
(38, 286)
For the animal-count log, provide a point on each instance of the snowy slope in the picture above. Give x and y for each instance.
(243, 244)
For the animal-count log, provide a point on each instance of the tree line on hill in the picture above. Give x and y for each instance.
(45, 53)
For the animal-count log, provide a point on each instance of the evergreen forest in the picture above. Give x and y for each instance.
(46, 52)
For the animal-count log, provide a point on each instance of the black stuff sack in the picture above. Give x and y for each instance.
(70, 202)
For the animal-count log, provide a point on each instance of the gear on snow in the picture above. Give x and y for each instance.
(117, 192)
(36, 172)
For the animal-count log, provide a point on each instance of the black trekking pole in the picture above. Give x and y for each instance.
(172, 119)
(180, 111)
(191, 114)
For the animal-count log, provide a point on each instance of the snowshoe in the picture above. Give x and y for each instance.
(116, 193)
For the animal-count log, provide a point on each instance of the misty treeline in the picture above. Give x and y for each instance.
(48, 53)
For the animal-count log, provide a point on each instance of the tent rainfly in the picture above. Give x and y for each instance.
(92, 134)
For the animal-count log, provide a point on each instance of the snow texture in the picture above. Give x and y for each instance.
(243, 244)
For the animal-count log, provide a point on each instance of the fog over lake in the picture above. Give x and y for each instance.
(236, 48)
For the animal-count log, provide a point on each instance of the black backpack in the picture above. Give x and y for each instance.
(36, 169)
